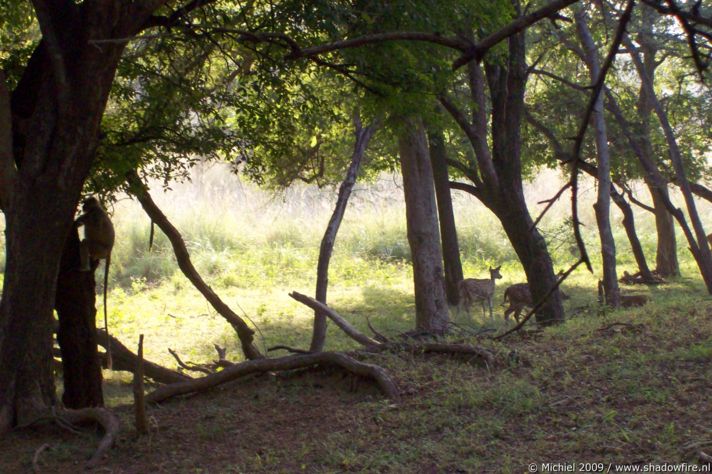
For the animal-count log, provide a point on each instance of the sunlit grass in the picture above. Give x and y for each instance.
(254, 248)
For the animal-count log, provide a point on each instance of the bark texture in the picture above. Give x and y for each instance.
(421, 216)
(76, 332)
(448, 230)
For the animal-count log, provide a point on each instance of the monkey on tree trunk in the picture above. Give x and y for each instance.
(97, 244)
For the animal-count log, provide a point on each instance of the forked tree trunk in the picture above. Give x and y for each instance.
(421, 217)
(448, 231)
(76, 335)
(363, 136)
(498, 180)
(603, 202)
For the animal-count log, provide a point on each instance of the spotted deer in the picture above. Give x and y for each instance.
(478, 289)
(519, 298)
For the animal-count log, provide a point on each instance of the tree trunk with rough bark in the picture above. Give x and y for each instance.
(423, 236)
(363, 136)
(56, 110)
(76, 333)
(498, 178)
(448, 230)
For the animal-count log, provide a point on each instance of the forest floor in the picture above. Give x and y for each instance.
(627, 386)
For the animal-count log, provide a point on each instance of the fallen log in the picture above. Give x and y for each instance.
(384, 381)
(124, 359)
(344, 325)
(371, 345)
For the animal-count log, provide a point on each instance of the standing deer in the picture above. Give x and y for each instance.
(520, 297)
(478, 289)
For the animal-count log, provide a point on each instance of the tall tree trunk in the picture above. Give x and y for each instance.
(363, 136)
(26, 326)
(666, 257)
(448, 230)
(666, 263)
(75, 304)
(56, 111)
(531, 249)
(421, 216)
(699, 246)
(498, 178)
(603, 202)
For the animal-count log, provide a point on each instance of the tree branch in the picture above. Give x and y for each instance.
(384, 381)
(138, 189)
(450, 42)
(477, 51)
(468, 188)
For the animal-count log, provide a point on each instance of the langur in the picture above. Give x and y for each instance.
(97, 244)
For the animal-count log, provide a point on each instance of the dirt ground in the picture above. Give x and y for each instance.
(631, 387)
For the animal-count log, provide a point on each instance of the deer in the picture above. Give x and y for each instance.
(478, 289)
(520, 297)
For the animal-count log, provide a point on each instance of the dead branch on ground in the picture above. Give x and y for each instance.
(126, 360)
(384, 381)
(373, 346)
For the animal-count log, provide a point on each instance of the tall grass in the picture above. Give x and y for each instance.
(242, 236)
(254, 247)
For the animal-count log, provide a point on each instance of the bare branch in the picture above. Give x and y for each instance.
(550, 202)
(677, 12)
(138, 189)
(344, 325)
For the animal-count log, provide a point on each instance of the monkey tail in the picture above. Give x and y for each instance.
(151, 235)
(109, 361)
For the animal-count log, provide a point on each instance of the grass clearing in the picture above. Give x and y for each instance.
(608, 386)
